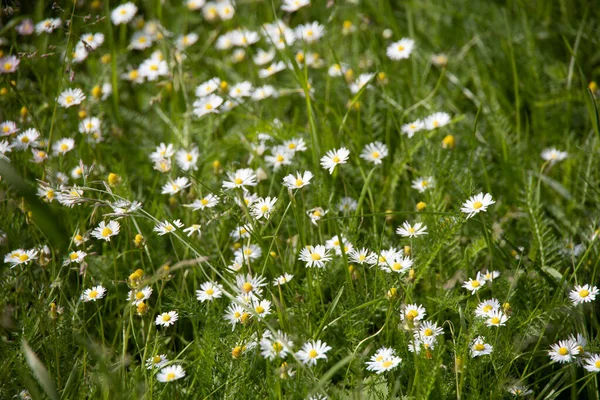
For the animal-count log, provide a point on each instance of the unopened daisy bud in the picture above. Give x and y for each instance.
(448, 142)
(223, 85)
(349, 74)
(216, 166)
(165, 273)
(237, 245)
(97, 91)
(139, 273)
(141, 308)
(1, 53)
(53, 311)
(169, 87)
(4, 91)
(428, 354)
(139, 23)
(245, 319)
(23, 112)
(82, 114)
(382, 78)
(351, 269)
(507, 308)
(139, 240)
(354, 106)
(392, 293)
(593, 86)
(421, 206)
(347, 24)
(458, 364)
(387, 33)
(389, 216)
(105, 59)
(285, 371)
(300, 56)
(113, 179)
(172, 201)
(261, 175)
(236, 352)
(411, 274)
(273, 254)
(407, 250)
(96, 4)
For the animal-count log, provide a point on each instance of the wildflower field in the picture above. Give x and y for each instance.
(296, 199)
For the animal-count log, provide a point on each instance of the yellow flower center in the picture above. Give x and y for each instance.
(313, 353)
(309, 33)
(299, 182)
(69, 99)
(487, 308)
(170, 376)
(315, 256)
(238, 181)
(73, 256)
(23, 257)
(475, 283)
(597, 364)
(189, 157)
(335, 159)
(316, 213)
(400, 48)
(375, 154)
(156, 359)
(209, 292)
(584, 293)
(166, 318)
(139, 295)
(292, 146)
(25, 139)
(277, 347)
(563, 351)
(412, 314)
(387, 364)
(204, 202)
(259, 309)
(247, 287)
(396, 266)
(106, 232)
(93, 294)
(479, 347)
(411, 230)
(64, 147)
(477, 205)
(134, 74)
(264, 208)
(7, 66)
(495, 320)
(424, 183)
(237, 315)
(428, 332)
(154, 67)
(279, 158)
(78, 238)
(208, 106)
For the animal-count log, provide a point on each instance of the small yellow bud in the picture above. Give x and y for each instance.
(392, 293)
(347, 24)
(237, 245)
(96, 4)
(593, 86)
(236, 352)
(507, 308)
(224, 85)
(448, 142)
(421, 206)
(216, 164)
(23, 112)
(411, 274)
(407, 250)
(349, 74)
(139, 273)
(105, 59)
(82, 114)
(142, 308)
(113, 179)
(97, 91)
(3, 91)
(273, 254)
(139, 240)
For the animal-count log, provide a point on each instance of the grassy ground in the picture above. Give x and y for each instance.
(515, 78)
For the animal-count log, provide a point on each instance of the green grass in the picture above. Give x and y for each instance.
(516, 83)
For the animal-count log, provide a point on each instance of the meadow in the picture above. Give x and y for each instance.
(299, 199)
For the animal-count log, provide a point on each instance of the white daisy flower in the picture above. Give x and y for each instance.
(383, 360)
(310, 32)
(293, 5)
(208, 87)
(408, 230)
(123, 13)
(489, 276)
(170, 373)
(263, 207)
(263, 57)
(105, 231)
(335, 243)
(276, 345)
(283, 279)
(153, 68)
(271, 69)
(592, 363)
(176, 185)
(374, 152)
(71, 97)
(412, 127)
(295, 144)
(476, 204)
(401, 49)
(359, 256)
(298, 181)
(262, 308)
(26, 139)
(280, 156)
(75, 257)
(209, 201)
(487, 307)
(496, 318)
(163, 151)
(167, 319)
(334, 157)
(207, 105)
(480, 348)
(436, 120)
(424, 183)
(241, 178)
(239, 90)
(93, 294)
(313, 351)
(315, 256)
(187, 160)
(157, 361)
(396, 263)
(553, 155)
(583, 294)
(138, 296)
(209, 291)
(164, 227)
(564, 351)
(63, 146)
(413, 312)
(315, 214)
(20, 256)
(474, 284)
(190, 230)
